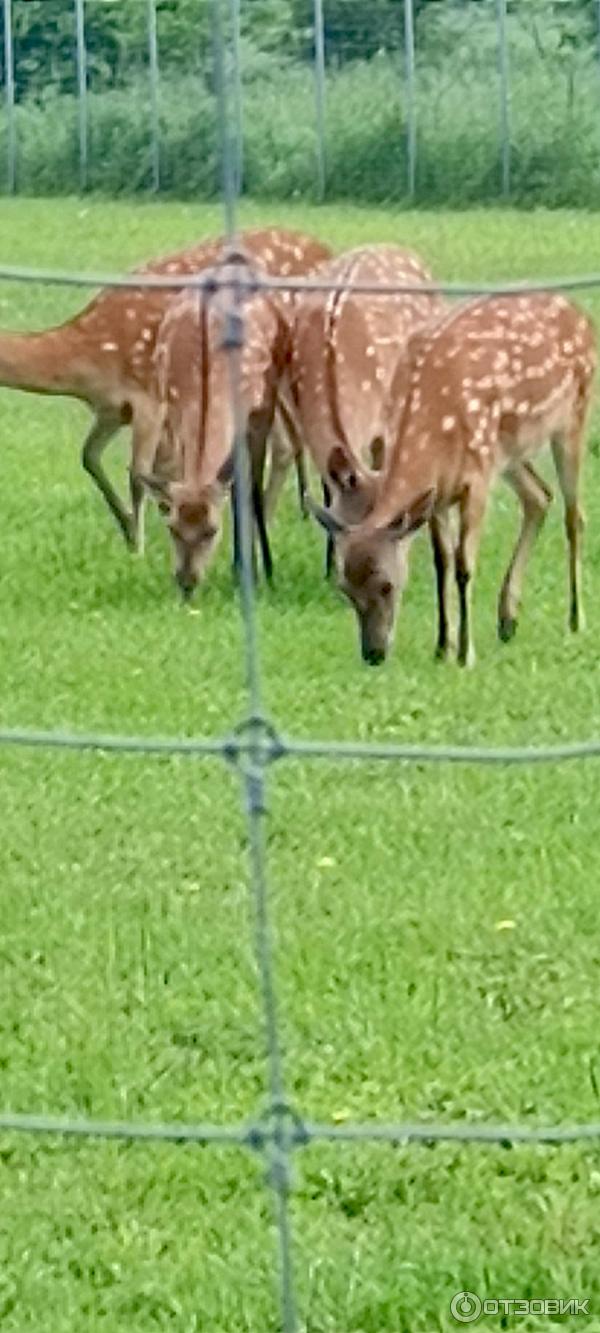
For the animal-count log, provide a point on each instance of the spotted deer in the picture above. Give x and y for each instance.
(104, 356)
(488, 386)
(194, 375)
(346, 349)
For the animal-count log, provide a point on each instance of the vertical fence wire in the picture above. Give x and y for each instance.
(9, 96)
(253, 767)
(597, 11)
(154, 75)
(253, 773)
(238, 94)
(226, 154)
(319, 25)
(82, 93)
(504, 80)
(411, 111)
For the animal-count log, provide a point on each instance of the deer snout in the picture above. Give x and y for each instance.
(373, 656)
(373, 646)
(186, 582)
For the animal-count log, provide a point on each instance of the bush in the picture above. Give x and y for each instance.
(555, 130)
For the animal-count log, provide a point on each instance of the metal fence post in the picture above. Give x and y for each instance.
(503, 70)
(320, 98)
(411, 118)
(9, 93)
(82, 92)
(154, 94)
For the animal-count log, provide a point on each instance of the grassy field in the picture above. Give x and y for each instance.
(129, 987)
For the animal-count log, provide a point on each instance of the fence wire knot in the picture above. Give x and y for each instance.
(276, 1134)
(253, 745)
(254, 742)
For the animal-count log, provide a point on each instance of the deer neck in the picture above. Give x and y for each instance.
(412, 470)
(39, 362)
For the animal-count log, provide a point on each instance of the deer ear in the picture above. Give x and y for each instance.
(408, 520)
(159, 489)
(226, 471)
(342, 469)
(324, 517)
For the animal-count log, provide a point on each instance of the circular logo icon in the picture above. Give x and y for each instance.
(465, 1307)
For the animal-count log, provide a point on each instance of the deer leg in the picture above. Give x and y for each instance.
(291, 448)
(536, 499)
(102, 431)
(257, 432)
(258, 456)
(329, 547)
(285, 447)
(137, 493)
(472, 510)
(302, 482)
(279, 462)
(567, 459)
(147, 431)
(444, 563)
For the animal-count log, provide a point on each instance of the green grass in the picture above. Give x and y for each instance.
(129, 986)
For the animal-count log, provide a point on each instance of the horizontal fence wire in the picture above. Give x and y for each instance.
(258, 1135)
(260, 282)
(252, 747)
(273, 746)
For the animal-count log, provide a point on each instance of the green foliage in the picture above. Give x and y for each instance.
(117, 32)
(352, 30)
(554, 82)
(555, 140)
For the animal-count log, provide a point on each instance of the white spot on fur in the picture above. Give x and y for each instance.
(448, 423)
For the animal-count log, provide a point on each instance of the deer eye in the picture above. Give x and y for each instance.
(385, 588)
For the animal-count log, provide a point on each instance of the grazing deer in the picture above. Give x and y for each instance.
(104, 355)
(346, 349)
(488, 386)
(194, 376)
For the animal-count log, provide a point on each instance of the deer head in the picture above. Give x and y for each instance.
(193, 515)
(372, 567)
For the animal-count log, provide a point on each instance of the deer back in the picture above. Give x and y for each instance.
(347, 345)
(197, 378)
(115, 335)
(489, 384)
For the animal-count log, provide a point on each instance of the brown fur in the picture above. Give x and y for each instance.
(489, 384)
(104, 356)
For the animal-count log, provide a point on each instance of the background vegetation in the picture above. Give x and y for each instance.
(554, 107)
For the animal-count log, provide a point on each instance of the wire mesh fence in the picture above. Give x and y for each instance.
(253, 746)
(408, 100)
(255, 743)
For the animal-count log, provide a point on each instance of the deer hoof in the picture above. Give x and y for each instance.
(507, 628)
